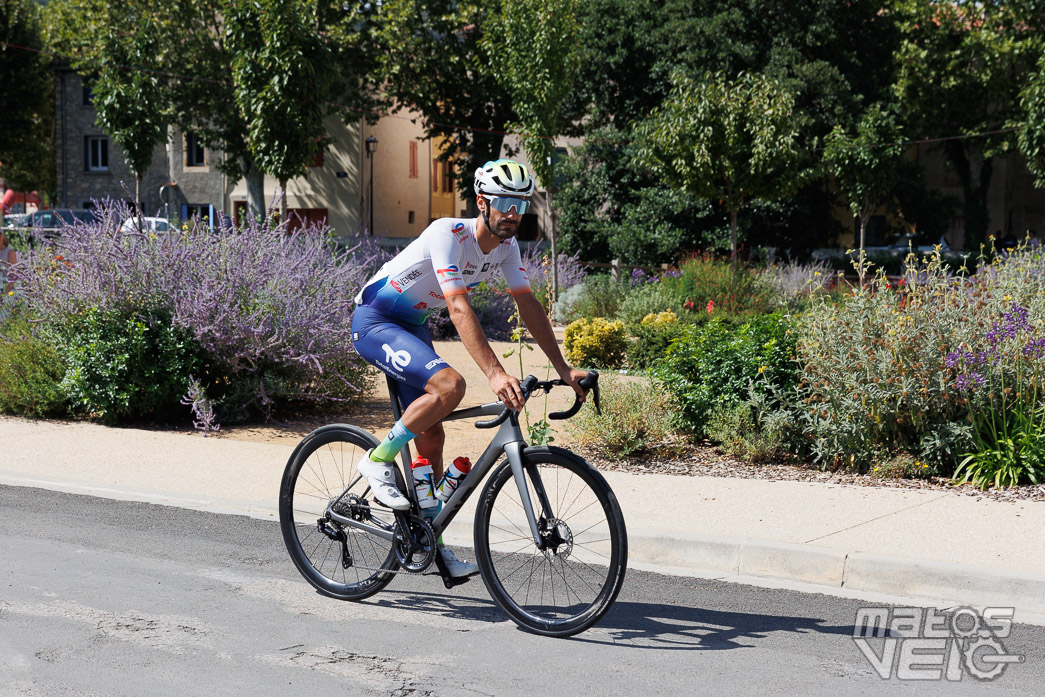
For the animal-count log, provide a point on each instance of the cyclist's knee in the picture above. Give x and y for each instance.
(447, 386)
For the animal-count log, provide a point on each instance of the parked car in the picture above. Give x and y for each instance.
(56, 218)
(154, 225)
(15, 219)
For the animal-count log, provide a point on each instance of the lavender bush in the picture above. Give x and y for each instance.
(270, 312)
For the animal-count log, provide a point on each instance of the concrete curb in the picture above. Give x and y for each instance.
(838, 569)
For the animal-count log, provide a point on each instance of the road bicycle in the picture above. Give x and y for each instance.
(549, 536)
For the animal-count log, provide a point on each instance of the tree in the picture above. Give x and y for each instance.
(1032, 130)
(866, 164)
(960, 68)
(27, 117)
(729, 141)
(532, 45)
(430, 61)
(130, 98)
(280, 70)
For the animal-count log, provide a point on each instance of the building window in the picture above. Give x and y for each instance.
(435, 176)
(413, 159)
(194, 151)
(87, 91)
(410, 217)
(203, 211)
(96, 153)
(448, 177)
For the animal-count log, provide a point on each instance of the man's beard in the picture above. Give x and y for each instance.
(505, 230)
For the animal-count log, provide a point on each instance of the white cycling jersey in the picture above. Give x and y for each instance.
(445, 260)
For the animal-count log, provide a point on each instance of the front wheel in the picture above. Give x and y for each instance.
(568, 582)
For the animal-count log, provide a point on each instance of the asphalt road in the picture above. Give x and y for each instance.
(109, 598)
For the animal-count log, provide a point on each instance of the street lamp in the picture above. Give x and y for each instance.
(371, 148)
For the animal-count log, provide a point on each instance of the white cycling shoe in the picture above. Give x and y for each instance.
(382, 479)
(455, 566)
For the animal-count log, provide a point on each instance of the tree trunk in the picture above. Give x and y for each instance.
(283, 201)
(864, 219)
(733, 238)
(256, 192)
(553, 233)
(975, 174)
(138, 201)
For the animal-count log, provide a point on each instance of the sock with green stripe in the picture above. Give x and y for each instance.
(399, 436)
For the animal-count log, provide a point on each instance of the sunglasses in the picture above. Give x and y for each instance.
(506, 203)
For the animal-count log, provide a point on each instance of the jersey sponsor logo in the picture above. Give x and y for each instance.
(433, 363)
(416, 273)
(436, 295)
(395, 284)
(486, 267)
(397, 359)
(421, 305)
(458, 229)
(466, 272)
(449, 272)
(525, 275)
(470, 265)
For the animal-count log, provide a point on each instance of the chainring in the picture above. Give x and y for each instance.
(418, 554)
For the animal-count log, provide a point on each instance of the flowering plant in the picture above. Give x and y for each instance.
(1002, 382)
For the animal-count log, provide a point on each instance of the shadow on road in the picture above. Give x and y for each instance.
(662, 626)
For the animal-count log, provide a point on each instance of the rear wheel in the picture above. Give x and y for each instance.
(568, 582)
(339, 560)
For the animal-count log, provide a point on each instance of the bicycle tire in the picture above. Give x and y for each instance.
(322, 468)
(580, 577)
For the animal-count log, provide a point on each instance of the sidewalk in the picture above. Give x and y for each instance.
(931, 545)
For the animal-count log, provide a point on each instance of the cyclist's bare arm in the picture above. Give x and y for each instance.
(540, 328)
(505, 386)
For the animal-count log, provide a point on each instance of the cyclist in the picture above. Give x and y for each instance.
(389, 326)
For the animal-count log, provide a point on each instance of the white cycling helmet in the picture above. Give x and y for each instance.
(503, 178)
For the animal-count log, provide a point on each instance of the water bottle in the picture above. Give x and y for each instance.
(452, 478)
(423, 485)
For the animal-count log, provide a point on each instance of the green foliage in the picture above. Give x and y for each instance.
(27, 117)
(597, 296)
(131, 104)
(121, 365)
(866, 165)
(281, 73)
(596, 343)
(31, 372)
(431, 62)
(1032, 135)
(532, 49)
(740, 430)
(705, 280)
(635, 420)
(713, 365)
(960, 67)
(645, 299)
(653, 337)
(730, 140)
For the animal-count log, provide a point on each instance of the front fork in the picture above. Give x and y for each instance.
(519, 471)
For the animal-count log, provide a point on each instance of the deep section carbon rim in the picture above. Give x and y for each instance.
(568, 585)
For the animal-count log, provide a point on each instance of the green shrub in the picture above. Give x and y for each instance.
(598, 296)
(645, 299)
(653, 336)
(635, 419)
(714, 365)
(596, 343)
(31, 373)
(704, 279)
(123, 365)
(742, 431)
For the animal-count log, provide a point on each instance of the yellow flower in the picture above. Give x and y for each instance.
(762, 369)
(11, 293)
